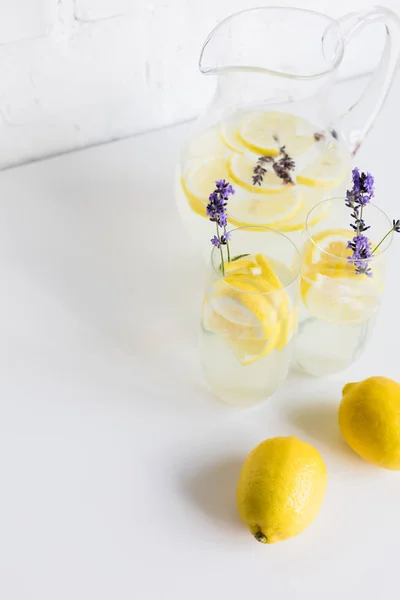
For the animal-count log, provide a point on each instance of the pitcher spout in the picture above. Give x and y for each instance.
(262, 40)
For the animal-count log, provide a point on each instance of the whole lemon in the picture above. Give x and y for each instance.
(281, 487)
(369, 419)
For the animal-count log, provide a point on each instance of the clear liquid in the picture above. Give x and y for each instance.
(211, 155)
(325, 348)
(236, 384)
(233, 342)
(334, 331)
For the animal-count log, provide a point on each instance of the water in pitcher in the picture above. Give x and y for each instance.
(248, 150)
(272, 128)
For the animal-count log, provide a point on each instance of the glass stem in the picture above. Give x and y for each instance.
(227, 246)
(220, 250)
(382, 240)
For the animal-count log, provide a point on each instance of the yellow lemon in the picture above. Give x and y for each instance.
(281, 487)
(369, 419)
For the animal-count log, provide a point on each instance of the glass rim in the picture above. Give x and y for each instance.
(333, 23)
(259, 229)
(342, 199)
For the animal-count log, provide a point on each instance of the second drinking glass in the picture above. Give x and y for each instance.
(340, 291)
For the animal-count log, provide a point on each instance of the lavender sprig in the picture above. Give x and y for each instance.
(282, 167)
(216, 211)
(259, 170)
(357, 198)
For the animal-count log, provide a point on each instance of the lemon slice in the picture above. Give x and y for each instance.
(206, 145)
(199, 180)
(281, 300)
(328, 170)
(265, 210)
(326, 256)
(229, 136)
(329, 246)
(259, 130)
(242, 266)
(268, 272)
(247, 319)
(241, 171)
(309, 198)
(259, 272)
(341, 300)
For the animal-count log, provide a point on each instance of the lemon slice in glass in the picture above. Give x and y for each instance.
(341, 300)
(329, 246)
(246, 319)
(330, 286)
(264, 132)
(280, 298)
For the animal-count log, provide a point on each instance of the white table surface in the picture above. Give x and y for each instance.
(117, 468)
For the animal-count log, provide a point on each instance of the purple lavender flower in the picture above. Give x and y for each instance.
(362, 252)
(260, 170)
(217, 213)
(357, 198)
(222, 219)
(362, 191)
(356, 181)
(225, 237)
(368, 184)
(215, 241)
(282, 166)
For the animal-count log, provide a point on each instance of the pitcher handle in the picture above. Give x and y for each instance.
(358, 119)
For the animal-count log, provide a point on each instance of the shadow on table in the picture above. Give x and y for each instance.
(319, 421)
(212, 490)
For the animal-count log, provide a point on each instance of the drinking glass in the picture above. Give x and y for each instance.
(338, 306)
(249, 316)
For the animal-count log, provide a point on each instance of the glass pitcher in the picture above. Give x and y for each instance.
(271, 129)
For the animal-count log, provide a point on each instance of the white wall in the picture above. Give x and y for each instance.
(79, 72)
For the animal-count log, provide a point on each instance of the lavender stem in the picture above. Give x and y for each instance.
(382, 240)
(227, 246)
(220, 251)
(359, 224)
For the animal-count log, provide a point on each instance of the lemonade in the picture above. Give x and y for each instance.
(338, 307)
(249, 321)
(231, 150)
